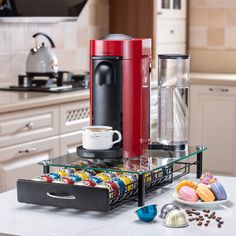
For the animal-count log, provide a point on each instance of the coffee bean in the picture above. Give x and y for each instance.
(213, 213)
(206, 224)
(193, 209)
(197, 219)
(200, 216)
(213, 217)
(208, 221)
(201, 219)
(197, 213)
(187, 211)
(190, 219)
(219, 225)
(218, 218)
(221, 222)
(207, 211)
(204, 210)
(199, 223)
(206, 215)
(190, 214)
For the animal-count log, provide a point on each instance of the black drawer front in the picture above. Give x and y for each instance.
(62, 195)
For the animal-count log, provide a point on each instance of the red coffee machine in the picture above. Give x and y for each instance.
(119, 89)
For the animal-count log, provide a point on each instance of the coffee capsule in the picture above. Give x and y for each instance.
(61, 172)
(47, 178)
(75, 178)
(82, 174)
(147, 213)
(167, 208)
(87, 182)
(55, 175)
(38, 178)
(176, 219)
(97, 179)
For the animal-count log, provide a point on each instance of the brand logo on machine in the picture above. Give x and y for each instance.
(89, 155)
(104, 52)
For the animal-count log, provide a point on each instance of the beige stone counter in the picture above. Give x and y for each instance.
(17, 101)
(213, 79)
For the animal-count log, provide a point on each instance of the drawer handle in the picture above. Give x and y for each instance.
(30, 125)
(69, 197)
(28, 150)
(219, 90)
(172, 31)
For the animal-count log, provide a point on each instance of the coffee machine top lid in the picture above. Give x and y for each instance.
(116, 37)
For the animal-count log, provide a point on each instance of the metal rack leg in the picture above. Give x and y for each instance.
(46, 167)
(199, 165)
(141, 190)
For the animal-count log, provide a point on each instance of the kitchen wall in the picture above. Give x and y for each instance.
(212, 35)
(71, 40)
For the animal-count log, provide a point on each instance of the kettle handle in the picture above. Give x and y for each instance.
(49, 39)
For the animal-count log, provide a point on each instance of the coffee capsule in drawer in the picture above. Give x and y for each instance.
(70, 171)
(121, 185)
(97, 179)
(55, 175)
(87, 182)
(115, 187)
(61, 172)
(127, 181)
(47, 178)
(67, 180)
(91, 172)
(106, 176)
(82, 174)
(75, 178)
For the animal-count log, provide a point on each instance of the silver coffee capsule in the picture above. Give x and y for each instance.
(167, 208)
(176, 219)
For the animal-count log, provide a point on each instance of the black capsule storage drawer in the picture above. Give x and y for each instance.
(62, 195)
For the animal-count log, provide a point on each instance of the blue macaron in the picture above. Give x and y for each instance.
(219, 191)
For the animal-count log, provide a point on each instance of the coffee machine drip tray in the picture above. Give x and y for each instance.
(113, 153)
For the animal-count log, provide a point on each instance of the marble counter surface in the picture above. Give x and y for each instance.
(22, 219)
(213, 79)
(15, 101)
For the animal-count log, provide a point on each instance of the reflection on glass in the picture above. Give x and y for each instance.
(177, 4)
(165, 4)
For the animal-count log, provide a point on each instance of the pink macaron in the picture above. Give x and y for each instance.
(188, 194)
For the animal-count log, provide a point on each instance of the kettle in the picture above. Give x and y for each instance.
(41, 60)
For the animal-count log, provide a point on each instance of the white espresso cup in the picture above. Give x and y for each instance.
(99, 137)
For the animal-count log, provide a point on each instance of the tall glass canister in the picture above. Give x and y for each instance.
(173, 90)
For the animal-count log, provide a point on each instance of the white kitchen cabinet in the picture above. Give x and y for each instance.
(20, 161)
(171, 9)
(28, 125)
(74, 116)
(212, 124)
(69, 142)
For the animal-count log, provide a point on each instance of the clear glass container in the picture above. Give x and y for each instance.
(173, 90)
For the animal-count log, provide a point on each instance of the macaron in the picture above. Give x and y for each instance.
(188, 194)
(186, 183)
(219, 191)
(205, 193)
(207, 179)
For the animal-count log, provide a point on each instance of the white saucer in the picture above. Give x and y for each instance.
(199, 203)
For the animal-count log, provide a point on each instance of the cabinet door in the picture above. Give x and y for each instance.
(212, 124)
(171, 9)
(74, 116)
(69, 142)
(20, 161)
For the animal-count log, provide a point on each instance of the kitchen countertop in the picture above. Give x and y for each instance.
(15, 101)
(213, 79)
(22, 219)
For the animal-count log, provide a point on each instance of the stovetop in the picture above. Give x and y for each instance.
(51, 83)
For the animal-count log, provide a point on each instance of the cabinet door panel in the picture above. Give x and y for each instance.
(20, 161)
(74, 116)
(69, 142)
(212, 124)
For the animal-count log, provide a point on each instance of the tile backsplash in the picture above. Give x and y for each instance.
(71, 40)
